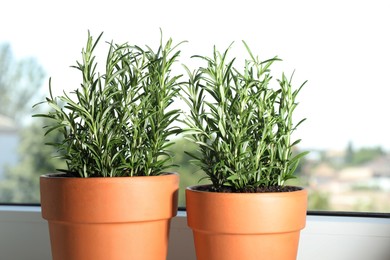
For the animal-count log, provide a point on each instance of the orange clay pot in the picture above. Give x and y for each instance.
(109, 218)
(246, 226)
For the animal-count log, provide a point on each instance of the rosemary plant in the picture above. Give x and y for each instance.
(242, 125)
(118, 123)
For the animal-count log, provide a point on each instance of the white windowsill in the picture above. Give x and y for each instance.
(24, 235)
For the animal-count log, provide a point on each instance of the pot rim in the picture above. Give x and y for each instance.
(101, 200)
(60, 175)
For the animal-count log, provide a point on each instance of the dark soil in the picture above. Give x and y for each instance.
(226, 189)
(60, 175)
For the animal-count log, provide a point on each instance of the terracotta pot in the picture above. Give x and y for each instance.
(246, 226)
(109, 218)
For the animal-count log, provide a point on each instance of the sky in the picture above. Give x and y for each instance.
(340, 47)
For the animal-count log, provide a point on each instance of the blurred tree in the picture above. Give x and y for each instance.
(349, 153)
(318, 201)
(20, 84)
(21, 182)
(189, 173)
(20, 81)
(366, 154)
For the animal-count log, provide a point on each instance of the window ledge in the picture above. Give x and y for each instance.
(324, 238)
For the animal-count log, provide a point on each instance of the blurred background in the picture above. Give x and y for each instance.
(340, 47)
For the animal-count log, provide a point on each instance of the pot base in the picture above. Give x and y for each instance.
(109, 240)
(251, 247)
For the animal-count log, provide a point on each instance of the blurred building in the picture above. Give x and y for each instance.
(9, 140)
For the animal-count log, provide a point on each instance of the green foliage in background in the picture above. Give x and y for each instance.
(20, 84)
(241, 124)
(20, 183)
(362, 155)
(20, 81)
(119, 122)
(318, 201)
(189, 173)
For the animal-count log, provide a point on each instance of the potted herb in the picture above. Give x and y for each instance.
(114, 201)
(242, 126)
